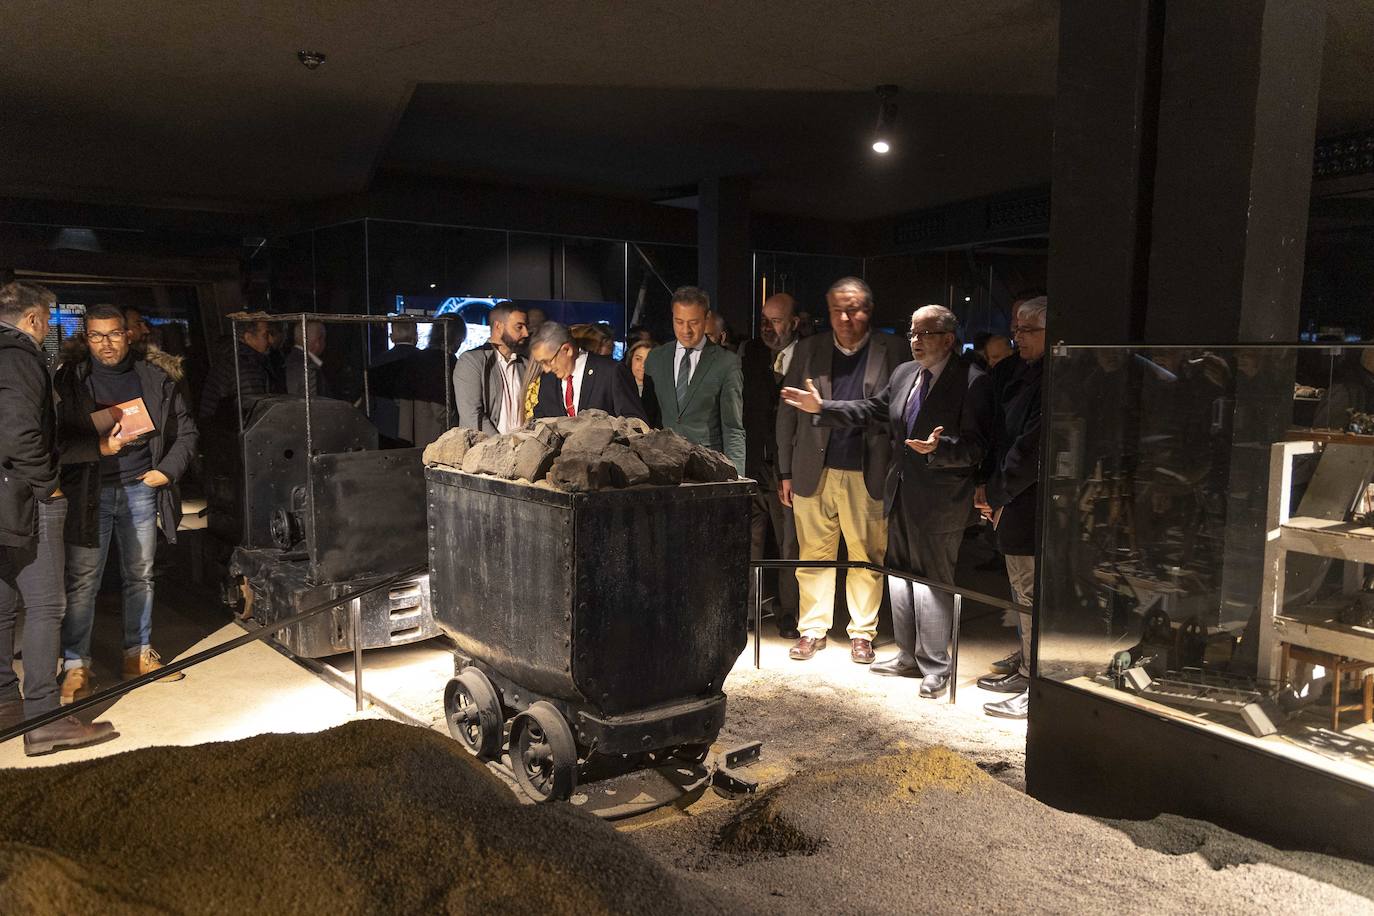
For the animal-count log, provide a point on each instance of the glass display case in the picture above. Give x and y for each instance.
(1208, 538)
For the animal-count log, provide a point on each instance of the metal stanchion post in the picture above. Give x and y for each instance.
(954, 648)
(355, 619)
(758, 614)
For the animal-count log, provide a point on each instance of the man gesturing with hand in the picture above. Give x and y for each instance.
(939, 414)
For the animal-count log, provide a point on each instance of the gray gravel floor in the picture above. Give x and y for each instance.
(985, 846)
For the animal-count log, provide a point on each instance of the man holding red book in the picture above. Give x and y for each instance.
(125, 437)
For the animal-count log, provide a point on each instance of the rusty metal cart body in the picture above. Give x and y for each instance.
(596, 623)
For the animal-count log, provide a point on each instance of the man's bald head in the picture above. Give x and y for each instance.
(779, 327)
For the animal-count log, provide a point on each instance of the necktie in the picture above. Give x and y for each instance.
(684, 374)
(568, 397)
(918, 395)
(777, 362)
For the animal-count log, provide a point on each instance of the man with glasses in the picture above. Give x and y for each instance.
(938, 411)
(575, 380)
(119, 483)
(833, 479)
(1009, 497)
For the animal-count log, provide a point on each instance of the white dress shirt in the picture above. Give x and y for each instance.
(934, 373)
(579, 369)
(695, 355)
(782, 360)
(512, 393)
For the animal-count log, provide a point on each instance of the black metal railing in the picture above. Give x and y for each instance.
(190, 661)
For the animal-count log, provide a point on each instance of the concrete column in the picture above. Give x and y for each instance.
(1233, 176)
(724, 267)
(1104, 137)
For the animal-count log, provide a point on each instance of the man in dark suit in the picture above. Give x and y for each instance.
(698, 383)
(939, 412)
(833, 479)
(764, 362)
(575, 380)
(407, 384)
(1009, 498)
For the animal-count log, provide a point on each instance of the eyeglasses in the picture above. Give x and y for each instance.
(922, 335)
(96, 337)
(1025, 329)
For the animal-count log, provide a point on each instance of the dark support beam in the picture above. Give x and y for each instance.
(1233, 178)
(1104, 122)
(724, 268)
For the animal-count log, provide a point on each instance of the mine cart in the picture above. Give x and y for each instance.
(318, 509)
(597, 623)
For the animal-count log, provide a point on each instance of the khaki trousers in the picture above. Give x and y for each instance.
(1021, 575)
(841, 506)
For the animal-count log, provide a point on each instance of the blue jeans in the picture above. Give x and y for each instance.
(32, 576)
(128, 511)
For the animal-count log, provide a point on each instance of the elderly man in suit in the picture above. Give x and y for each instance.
(938, 410)
(1009, 498)
(575, 380)
(833, 478)
(698, 383)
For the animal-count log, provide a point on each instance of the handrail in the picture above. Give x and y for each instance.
(959, 593)
(214, 651)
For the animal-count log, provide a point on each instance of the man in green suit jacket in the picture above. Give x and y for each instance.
(698, 384)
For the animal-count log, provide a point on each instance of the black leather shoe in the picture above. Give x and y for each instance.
(1007, 665)
(895, 667)
(787, 627)
(934, 686)
(65, 734)
(1004, 683)
(1017, 707)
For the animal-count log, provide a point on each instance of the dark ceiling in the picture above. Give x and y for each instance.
(192, 104)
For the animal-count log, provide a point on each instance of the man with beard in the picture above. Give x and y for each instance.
(764, 362)
(488, 382)
(117, 485)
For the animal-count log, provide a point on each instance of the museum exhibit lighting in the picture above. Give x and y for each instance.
(887, 118)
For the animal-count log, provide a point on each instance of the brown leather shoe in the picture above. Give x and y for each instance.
(65, 734)
(806, 647)
(861, 651)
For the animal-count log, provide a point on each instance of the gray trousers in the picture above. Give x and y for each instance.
(1021, 574)
(922, 617)
(771, 525)
(32, 577)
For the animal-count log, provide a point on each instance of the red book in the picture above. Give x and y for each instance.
(132, 417)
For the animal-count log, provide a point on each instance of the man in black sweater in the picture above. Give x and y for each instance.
(32, 511)
(118, 481)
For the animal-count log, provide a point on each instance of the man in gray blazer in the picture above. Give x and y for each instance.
(699, 386)
(833, 478)
(489, 381)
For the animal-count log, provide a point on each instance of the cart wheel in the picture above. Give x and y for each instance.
(543, 754)
(473, 712)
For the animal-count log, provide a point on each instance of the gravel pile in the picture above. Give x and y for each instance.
(588, 452)
(927, 831)
(369, 817)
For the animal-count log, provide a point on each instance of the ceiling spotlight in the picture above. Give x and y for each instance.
(310, 59)
(432, 285)
(887, 118)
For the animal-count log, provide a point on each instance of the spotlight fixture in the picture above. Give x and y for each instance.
(887, 118)
(433, 285)
(310, 59)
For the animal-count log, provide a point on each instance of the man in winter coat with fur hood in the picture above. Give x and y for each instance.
(117, 482)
